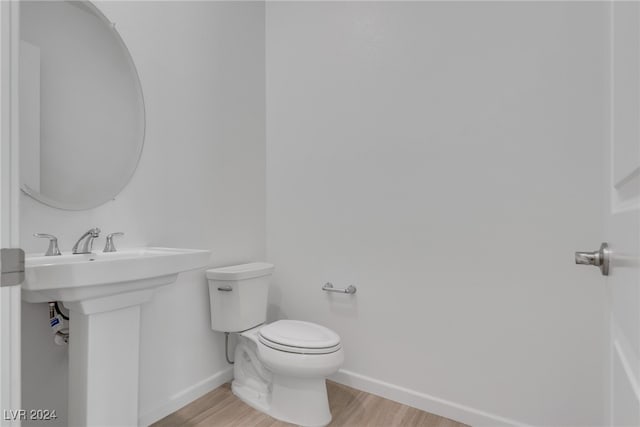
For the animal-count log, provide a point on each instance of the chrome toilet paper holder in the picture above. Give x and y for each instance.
(348, 290)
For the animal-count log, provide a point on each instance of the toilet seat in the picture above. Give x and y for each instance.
(296, 336)
(298, 350)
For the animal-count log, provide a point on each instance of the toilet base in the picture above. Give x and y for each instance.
(257, 400)
(300, 401)
(297, 401)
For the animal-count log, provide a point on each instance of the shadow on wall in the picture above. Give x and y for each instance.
(274, 311)
(339, 304)
(343, 305)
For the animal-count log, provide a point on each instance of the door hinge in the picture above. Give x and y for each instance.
(11, 266)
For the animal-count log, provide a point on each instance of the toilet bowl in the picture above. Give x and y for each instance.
(280, 368)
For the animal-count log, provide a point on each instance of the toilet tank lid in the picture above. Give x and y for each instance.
(239, 272)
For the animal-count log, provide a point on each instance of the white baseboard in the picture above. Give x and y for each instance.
(185, 396)
(425, 402)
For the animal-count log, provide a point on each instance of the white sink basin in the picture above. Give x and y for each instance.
(70, 278)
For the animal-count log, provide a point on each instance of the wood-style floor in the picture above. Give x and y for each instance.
(350, 407)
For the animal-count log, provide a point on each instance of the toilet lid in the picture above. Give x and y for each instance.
(296, 335)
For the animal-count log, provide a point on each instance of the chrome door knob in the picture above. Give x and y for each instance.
(599, 258)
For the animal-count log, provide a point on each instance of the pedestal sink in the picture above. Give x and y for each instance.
(103, 292)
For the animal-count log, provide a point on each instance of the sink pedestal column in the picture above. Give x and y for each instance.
(104, 341)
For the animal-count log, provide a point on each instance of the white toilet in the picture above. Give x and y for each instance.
(280, 368)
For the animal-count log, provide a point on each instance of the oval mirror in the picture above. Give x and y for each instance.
(81, 107)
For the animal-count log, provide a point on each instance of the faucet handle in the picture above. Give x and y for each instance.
(53, 243)
(109, 246)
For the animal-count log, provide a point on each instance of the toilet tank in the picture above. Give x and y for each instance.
(238, 296)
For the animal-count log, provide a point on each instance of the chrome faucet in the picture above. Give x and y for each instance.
(86, 240)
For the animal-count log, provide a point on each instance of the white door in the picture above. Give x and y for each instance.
(10, 403)
(622, 216)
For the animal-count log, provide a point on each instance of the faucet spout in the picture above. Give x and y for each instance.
(85, 242)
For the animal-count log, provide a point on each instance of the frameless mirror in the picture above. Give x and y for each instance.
(81, 106)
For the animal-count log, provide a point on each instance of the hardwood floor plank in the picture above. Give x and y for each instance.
(183, 415)
(350, 408)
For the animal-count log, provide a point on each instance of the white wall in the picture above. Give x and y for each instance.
(200, 184)
(445, 159)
